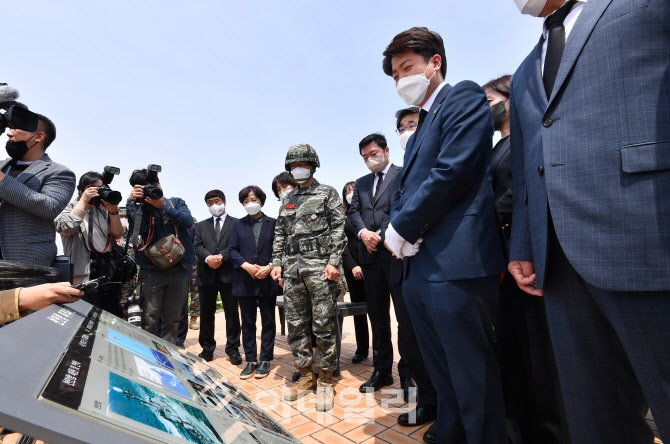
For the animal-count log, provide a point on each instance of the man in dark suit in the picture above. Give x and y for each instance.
(444, 225)
(215, 275)
(370, 207)
(33, 191)
(590, 132)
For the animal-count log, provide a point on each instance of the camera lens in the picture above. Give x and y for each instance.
(135, 315)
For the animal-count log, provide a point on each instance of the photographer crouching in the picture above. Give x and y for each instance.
(89, 227)
(163, 251)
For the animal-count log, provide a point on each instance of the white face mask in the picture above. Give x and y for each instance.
(217, 210)
(413, 89)
(376, 164)
(284, 193)
(253, 208)
(349, 197)
(301, 174)
(404, 138)
(531, 7)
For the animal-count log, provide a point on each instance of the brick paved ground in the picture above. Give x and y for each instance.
(356, 418)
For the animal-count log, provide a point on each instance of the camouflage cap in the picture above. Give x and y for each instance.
(301, 153)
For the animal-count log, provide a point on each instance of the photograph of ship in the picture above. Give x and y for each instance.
(142, 404)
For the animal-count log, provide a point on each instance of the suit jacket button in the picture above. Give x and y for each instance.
(540, 171)
(547, 122)
(402, 191)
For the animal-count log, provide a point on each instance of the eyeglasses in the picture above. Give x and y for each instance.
(410, 127)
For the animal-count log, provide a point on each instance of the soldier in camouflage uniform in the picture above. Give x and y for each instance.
(307, 251)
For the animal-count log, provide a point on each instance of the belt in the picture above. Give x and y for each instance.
(302, 246)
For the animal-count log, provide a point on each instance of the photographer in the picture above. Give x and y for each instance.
(163, 287)
(89, 227)
(33, 191)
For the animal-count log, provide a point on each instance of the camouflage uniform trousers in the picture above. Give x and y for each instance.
(310, 308)
(194, 305)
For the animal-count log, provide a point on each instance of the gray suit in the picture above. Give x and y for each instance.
(591, 180)
(29, 204)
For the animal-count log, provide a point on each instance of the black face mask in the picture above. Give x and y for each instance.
(17, 150)
(499, 113)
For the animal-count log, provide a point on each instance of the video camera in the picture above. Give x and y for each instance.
(105, 192)
(150, 189)
(14, 114)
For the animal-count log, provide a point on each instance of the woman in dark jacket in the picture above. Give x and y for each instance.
(354, 276)
(251, 254)
(529, 377)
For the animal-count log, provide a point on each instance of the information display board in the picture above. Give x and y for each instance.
(120, 374)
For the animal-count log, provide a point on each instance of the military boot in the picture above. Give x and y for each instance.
(325, 392)
(193, 325)
(306, 383)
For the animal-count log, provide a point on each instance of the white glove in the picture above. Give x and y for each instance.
(394, 241)
(408, 249)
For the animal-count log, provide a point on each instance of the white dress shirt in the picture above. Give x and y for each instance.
(568, 23)
(374, 182)
(426, 106)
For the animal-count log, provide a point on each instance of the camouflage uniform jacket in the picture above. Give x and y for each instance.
(309, 233)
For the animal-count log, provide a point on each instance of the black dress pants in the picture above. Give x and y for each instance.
(378, 292)
(357, 294)
(533, 404)
(208, 294)
(248, 309)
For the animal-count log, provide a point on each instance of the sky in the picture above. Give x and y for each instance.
(217, 91)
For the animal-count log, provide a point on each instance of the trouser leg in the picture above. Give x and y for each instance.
(248, 307)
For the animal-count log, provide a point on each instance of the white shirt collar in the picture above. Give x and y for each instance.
(568, 22)
(386, 170)
(223, 219)
(23, 162)
(426, 106)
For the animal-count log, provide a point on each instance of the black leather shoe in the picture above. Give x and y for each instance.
(407, 386)
(430, 437)
(207, 356)
(249, 370)
(235, 359)
(263, 370)
(376, 381)
(357, 359)
(419, 416)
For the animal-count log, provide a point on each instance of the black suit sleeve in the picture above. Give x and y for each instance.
(355, 211)
(200, 250)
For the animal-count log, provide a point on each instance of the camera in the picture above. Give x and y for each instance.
(150, 189)
(16, 114)
(105, 192)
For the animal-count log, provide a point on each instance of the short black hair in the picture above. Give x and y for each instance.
(244, 193)
(377, 138)
(45, 125)
(138, 177)
(283, 178)
(215, 193)
(500, 85)
(87, 179)
(401, 113)
(344, 195)
(422, 41)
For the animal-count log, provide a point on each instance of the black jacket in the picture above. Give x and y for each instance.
(205, 244)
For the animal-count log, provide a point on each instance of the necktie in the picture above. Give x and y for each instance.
(555, 45)
(422, 116)
(380, 179)
(217, 229)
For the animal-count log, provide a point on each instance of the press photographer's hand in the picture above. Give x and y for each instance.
(160, 203)
(89, 194)
(137, 193)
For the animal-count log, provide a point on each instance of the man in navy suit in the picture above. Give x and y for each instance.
(444, 225)
(590, 141)
(370, 207)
